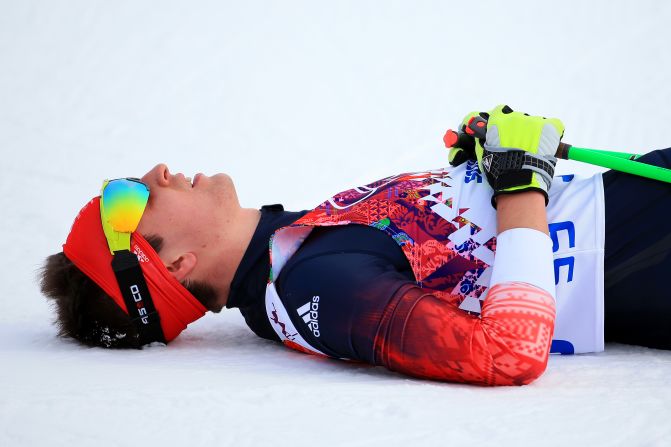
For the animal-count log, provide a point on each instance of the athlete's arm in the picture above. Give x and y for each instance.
(521, 210)
(424, 334)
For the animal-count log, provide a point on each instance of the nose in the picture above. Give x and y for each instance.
(158, 175)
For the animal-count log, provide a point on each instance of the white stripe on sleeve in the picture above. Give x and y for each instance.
(524, 255)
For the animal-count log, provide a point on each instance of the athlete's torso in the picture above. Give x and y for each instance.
(341, 282)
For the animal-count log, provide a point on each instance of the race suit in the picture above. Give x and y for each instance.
(402, 273)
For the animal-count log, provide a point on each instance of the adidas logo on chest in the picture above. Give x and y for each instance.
(309, 312)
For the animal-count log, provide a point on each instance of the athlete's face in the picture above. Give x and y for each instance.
(187, 214)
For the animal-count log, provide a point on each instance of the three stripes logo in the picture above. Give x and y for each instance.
(309, 312)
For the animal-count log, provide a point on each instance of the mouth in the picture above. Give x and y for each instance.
(186, 179)
(190, 181)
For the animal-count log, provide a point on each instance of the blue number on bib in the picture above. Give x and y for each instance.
(560, 262)
(564, 347)
(569, 261)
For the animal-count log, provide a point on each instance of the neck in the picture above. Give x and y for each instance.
(231, 249)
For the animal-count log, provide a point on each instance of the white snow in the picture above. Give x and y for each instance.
(298, 100)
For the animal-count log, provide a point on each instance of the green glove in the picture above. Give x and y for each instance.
(461, 144)
(519, 152)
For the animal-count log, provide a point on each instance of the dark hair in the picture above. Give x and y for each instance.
(87, 314)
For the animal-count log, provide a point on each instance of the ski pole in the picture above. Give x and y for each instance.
(620, 161)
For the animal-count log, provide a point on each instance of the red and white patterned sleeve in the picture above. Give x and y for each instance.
(424, 334)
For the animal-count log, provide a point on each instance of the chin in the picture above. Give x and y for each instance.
(225, 190)
(221, 177)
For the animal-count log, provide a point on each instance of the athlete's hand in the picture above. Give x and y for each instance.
(461, 144)
(518, 152)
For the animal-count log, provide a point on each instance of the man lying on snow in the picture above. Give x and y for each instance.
(450, 274)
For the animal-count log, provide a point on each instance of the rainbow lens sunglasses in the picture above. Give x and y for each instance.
(122, 204)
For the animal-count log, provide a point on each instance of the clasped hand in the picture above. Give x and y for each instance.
(514, 150)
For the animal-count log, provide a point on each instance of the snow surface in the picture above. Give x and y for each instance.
(298, 100)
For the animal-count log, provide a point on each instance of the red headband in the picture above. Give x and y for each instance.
(87, 248)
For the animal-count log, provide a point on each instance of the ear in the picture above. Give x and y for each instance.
(181, 267)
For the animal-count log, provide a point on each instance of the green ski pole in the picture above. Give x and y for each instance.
(620, 161)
